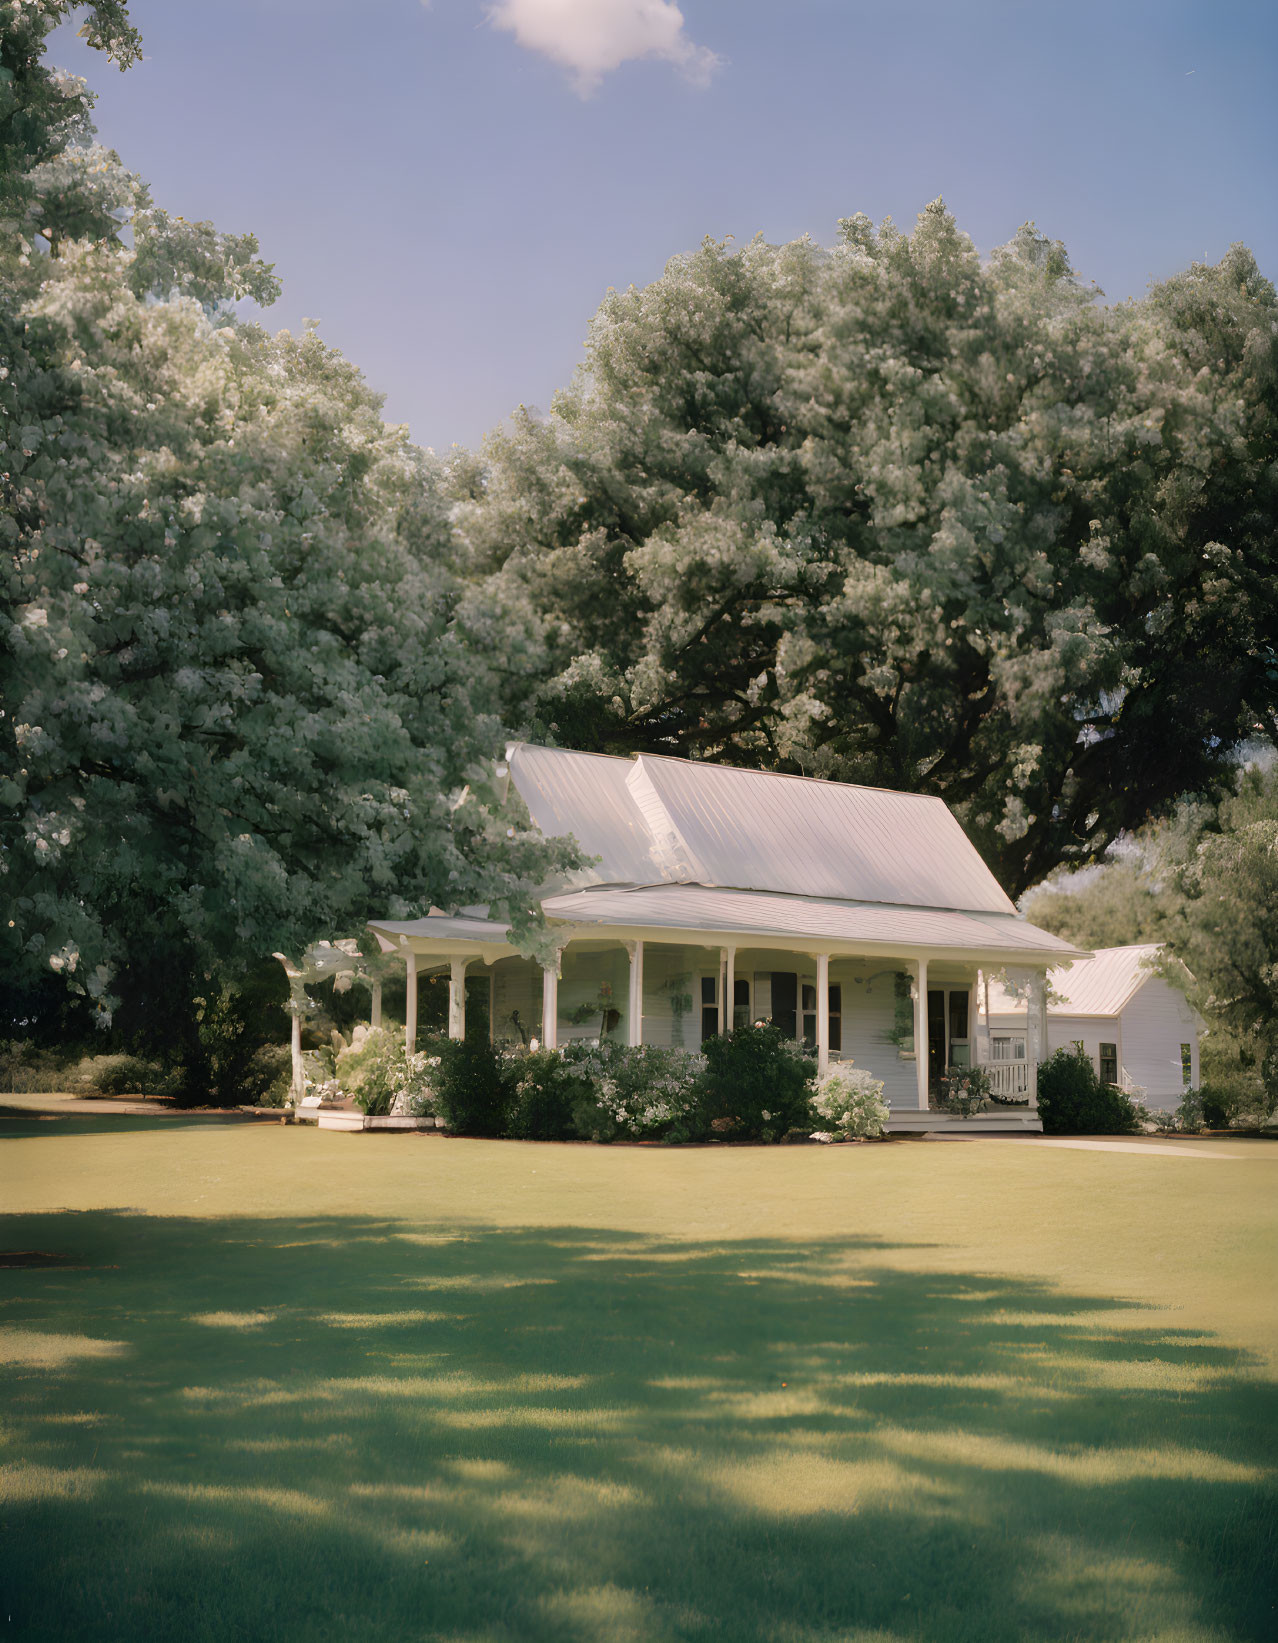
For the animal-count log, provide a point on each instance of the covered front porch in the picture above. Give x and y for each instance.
(677, 988)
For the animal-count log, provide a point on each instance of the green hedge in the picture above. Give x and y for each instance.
(1072, 1100)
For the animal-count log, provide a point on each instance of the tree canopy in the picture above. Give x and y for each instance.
(1203, 880)
(235, 713)
(890, 514)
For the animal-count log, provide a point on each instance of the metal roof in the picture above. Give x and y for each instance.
(438, 927)
(585, 794)
(1102, 987)
(699, 907)
(655, 820)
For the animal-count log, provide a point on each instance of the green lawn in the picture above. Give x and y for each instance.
(292, 1385)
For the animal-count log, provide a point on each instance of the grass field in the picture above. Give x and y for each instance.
(279, 1384)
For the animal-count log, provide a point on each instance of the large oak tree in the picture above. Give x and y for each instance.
(890, 514)
(234, 714)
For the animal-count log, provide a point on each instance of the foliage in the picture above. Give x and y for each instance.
(1227, 932)
(27, 1067)
(474, 1087)
(1072, 1100)
(1218, 1111)
(756, 1084)
(888, 514)
(964, 1090)
(236, 714)
(131, 1075)
(270, 1077)
(1204, 880)
(850, 1100)
(380, 1076)
(1189, 1115)
(638, 1092)
(1123, 901)
(549, 1088)
(44, 110)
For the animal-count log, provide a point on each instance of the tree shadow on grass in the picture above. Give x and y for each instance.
(24, 1124)
(313, 1429)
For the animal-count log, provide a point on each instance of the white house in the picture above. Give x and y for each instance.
(1140, 1031)
(856, 919)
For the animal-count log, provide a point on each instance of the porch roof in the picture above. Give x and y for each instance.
(700, 910)
(695, 907)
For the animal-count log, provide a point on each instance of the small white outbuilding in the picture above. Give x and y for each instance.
(1139, 1030)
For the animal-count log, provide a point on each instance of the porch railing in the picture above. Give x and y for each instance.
(1009, 1078)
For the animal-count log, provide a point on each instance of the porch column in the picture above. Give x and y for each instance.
(492, 1003)
(823, 1013)
(729, 988)
(550, 1004)
(989, 1028)
(457, 998)
(410, 1002)
(299, 1071)
(973, 1020)
(1035, 1032)
(920, 1030)
(375, 1014)
(634, 1010)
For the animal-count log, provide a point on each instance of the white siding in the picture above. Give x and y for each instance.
(585, 972)
(516, 986)
(672, 993)
(1064, 1031)
(869, 1015)
(1156, 1022)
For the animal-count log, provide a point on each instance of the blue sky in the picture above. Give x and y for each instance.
(450, 189)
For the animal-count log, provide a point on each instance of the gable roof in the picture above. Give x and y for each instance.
(658, 820)
(1102, 987)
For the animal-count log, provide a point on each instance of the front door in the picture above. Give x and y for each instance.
(936, 1045)
(785, 1002)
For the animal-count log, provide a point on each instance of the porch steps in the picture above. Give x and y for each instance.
(339, 1118)
(907, 1121)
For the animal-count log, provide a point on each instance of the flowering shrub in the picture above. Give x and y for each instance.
(964, 1090)
(381, 1077)
(849, 1101)
(759, 1079)
(636, 1091)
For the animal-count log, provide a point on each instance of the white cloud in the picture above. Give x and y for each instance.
(593, 37)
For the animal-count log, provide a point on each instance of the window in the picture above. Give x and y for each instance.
(836, 1018)
(808, 1000)
(1186, 1064)
(903, 1012)
(740, 1001)
(709, 1007)
(1007, 1048)
(1108, 1055)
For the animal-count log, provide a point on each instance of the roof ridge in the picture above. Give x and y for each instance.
(791, 776)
